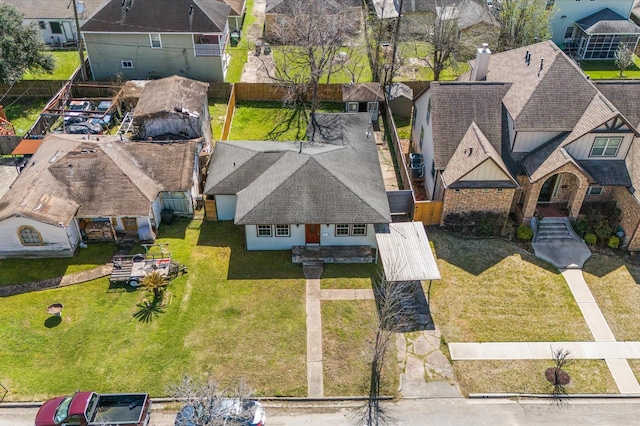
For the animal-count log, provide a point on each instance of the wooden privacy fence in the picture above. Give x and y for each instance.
(428, 212)
(8, 144)
(271, 92)
(231, 107)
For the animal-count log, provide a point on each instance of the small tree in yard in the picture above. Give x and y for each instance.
(557, 376)
(522, 22)
(623, 58)
(21, 47)
(206, 398)
(392, 299)
(309, 40)
(155, 282)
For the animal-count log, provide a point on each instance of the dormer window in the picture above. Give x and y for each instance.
(606, 147)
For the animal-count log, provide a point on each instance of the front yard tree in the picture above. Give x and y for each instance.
(522, 22)
(155, 282)
(309, 40)
(623, 58)
(21, 47)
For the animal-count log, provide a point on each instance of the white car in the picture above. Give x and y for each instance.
(229, 411)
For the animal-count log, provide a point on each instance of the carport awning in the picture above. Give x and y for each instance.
(405, 252)
(27, 147)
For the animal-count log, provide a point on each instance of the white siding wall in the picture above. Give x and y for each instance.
(254, 242)
(421, 106)
(68, 28)
(56, 240)
(226, 206)
(328, 237)
(73, 234)
(573, 11)
(528, 141)
(581, 148)
(486, 171)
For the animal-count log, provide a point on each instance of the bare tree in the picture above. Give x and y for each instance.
(309, 40)
(211, 403)
(522, 22)
(623, 58)
(380, 28)
(557, 376)
(393, 299)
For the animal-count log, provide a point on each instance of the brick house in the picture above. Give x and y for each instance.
(527, 129)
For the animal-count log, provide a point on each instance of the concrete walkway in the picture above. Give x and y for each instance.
(604, 346)
(69, 279)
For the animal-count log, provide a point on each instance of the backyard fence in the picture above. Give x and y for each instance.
(8, 144)
(271, 92)
(228, 117)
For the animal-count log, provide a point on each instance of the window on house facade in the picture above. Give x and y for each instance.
(359, 229)
(127, 65)
(56, 28)
(156, 41)
(429, 111)
(283, 231)
(342, 230)
(568, 33)
(352, 106)
(42, 25)
(433, 169)
(550, 3)
(421, 137)
(413, 120)
(499, 190)
(606, 147)
(29, 236)
(264, 230)
(594, 190)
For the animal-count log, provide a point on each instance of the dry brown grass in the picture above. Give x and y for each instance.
(635, 367)
(493, 291)
(615, 286)
(347, 342)
(518, 376)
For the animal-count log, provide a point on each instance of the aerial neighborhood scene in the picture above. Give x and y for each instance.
(251, 212)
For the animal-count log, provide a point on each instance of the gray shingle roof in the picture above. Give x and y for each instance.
(335, 179)
(624, 96)
(606, 21)
(474, 149)
(97, 178)
(455, 105)
(51, 9)
(160, 16)
(610, 173)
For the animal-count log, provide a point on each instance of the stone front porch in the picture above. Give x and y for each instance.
(332, 254)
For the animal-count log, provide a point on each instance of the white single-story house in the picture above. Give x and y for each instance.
(75, 189)
(327, 191)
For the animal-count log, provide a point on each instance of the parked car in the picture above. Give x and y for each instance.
(83, 128)
(229, 411)
(75, 110)
(105, 120)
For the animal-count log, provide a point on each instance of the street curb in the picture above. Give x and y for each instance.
(549, 396)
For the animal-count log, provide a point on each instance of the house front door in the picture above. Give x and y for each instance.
(130, 223)
(312, 234)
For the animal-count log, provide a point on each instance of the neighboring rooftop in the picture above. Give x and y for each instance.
(606, 21)
(169, 94)
(53, 9)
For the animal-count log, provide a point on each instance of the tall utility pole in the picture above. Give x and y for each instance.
(83, 68)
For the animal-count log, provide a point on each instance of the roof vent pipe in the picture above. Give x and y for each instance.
(481, 66)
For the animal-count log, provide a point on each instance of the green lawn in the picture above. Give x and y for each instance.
(217, 112)
(403, 126)
(348, 331)
(607, 70)
(614, 285)
(240, 53)
(24, 113)
(66, 63)
(414, 69)
(257, 121)
(236, 314)
(348, 275)
(492, 291)
(587, 377)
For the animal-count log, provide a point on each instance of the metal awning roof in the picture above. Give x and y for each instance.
(27, 147)
(405, 252)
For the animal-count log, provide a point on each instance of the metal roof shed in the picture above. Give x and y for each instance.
(405, 252)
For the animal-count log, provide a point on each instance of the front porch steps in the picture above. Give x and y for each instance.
(555, 228)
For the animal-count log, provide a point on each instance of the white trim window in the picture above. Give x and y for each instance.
(359, 229)
(29, 236)
(264, 231)
(594, 190)
(156, 40)
(342, 230)
(283, 231)
(352, 107)
(606, 146)
(126, 64)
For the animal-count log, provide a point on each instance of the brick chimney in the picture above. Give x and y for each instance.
(481, 66)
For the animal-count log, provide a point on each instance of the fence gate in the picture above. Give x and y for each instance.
(428, 212)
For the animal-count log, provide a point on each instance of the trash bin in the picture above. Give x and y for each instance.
(234, 38)
(267, 49)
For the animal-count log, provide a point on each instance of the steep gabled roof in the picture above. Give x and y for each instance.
(362, 92)
(69, 175)
(237, 6)
(455, 105)
(335, 179)
(474, 149)
(606, 21)
(159, 16)
(624, 95)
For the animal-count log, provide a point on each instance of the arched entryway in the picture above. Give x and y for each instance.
(558, 195)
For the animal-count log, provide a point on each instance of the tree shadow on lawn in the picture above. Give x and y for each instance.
(245, 264)
(477, 255)
(601, 265)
